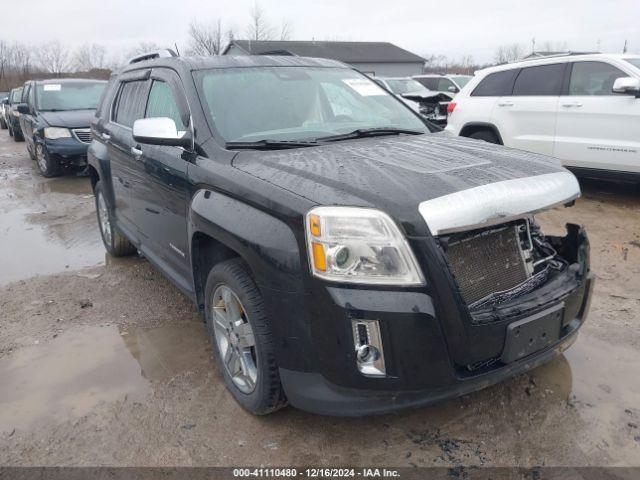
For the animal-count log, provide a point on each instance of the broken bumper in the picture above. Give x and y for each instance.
(315, 393)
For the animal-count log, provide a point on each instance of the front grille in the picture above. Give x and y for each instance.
(83, 134)
(489, 262)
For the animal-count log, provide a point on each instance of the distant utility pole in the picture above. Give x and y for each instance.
(598, 45)
(624, 49)
(533, 45)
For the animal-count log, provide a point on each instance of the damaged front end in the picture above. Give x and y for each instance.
(523, 291)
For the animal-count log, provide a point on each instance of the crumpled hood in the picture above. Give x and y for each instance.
(395, 174)
(69, 119)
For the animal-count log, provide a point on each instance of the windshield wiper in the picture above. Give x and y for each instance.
(268, 144)
(370, 132)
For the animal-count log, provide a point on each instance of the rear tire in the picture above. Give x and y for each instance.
(114, 242)
(250, 372)
(3, 124)
(486, 135)
(10, 131)
(17, 136)
(47, 164)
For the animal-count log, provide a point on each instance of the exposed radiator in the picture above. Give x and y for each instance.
(488, 262)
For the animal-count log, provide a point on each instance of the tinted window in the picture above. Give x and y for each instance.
(634, 61)
(16, 95)
(542, 80)
(31, 98)
(430, 83)
(444, 84)
(25, 93)
(131, 101)
(495, 84)
(162, 103)
(593, 78)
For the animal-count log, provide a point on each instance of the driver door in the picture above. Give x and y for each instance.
(597, 128)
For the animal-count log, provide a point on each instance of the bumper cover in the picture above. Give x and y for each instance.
(68, 149)
(313, 392)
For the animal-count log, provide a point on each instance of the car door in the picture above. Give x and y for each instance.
(598, 128)
(127, 169)
(162, 197)
(527, 118)
(27, 120)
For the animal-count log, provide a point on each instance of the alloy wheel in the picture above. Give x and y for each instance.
(235, 339)
(41, 158)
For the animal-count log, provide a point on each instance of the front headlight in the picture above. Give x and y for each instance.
(54, 133)
(359, 245)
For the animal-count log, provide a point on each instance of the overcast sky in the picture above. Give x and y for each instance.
(453, 28)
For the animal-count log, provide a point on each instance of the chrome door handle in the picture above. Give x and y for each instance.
(505, 104)
(136, 152)
(106, 136)
(572, 105)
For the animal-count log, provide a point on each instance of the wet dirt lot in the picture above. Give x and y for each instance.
(103, 362)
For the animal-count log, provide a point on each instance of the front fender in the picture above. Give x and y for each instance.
(266, 243)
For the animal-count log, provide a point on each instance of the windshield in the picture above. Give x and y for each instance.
(16, 95)
(400, 86)
(70, 96)
(297, 103)
(462, 80)
(634, 61)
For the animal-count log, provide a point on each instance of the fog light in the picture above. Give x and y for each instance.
(368, 346)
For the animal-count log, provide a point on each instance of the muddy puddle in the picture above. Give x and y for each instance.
(70, 375)
(46, 226)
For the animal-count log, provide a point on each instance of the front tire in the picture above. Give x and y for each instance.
(486, 135)
(114, 242)
(240, 333)
(17, 136)
(47, 164)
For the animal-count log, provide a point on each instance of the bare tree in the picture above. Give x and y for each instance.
(89, 57)
(509, 53)
(5, 58)
(53, 58)
(21, 60)
(553, 46)
(286, 30)
(259, 27)
(207, 38)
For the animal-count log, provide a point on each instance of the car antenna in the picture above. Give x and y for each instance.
(177, 51)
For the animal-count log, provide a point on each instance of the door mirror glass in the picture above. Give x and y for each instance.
(159, 131)
(452, 89)
(627, 85)
(23, 109)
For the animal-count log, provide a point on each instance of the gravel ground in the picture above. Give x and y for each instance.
(103, 362)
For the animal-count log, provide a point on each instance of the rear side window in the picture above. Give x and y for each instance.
(162, 103)
(540, 80)
(130, 103)
(496, 84)
(593, 78)
(430, 83)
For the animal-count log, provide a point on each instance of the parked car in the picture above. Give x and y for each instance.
(583, 109)
(55, 118)
(13, 116)
(430, 104)
(4, 98)
(347, 260)
(443, 83)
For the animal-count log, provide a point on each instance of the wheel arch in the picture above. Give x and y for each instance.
(473, 127)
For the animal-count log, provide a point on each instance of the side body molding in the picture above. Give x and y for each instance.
(266, 243)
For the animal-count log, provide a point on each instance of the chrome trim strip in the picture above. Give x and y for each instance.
(498, 202)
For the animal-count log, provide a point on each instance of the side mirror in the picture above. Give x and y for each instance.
(5, 101)
(160, 131)
(453, 89)
(630, 85)
(23, 109)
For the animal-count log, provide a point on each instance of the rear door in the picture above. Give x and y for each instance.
(598, 128)
(126, 167)
(527, 118)
(162, 197)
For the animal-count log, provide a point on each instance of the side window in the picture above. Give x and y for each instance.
(593, 78)
(541, 80)
(31, 99)
(162, 103)
(129, 105)
(25, 94)
(444, 84)
(496, 84)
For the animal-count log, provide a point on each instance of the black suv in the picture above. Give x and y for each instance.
(347, 259)
(54, 118)
(13, 122)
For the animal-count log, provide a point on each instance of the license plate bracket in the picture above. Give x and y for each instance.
(533, 333)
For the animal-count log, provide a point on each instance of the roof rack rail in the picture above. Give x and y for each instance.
(282, 53)
(539, 55)
(164, 53)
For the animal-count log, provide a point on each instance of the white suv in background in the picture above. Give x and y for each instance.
(582, 109)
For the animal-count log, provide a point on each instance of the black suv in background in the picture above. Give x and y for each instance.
(13, 120)
(55, 118)
(347, 259)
